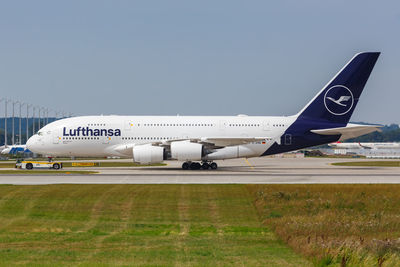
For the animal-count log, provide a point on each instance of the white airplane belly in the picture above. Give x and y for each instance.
(242, 151)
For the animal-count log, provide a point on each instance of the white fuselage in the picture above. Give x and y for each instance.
(100, 136)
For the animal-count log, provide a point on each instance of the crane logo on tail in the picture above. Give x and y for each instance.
(338, 100)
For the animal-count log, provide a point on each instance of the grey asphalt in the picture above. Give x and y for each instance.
(238, 171)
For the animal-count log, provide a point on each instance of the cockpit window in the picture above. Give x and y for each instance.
(40, 133)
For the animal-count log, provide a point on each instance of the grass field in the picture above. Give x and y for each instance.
(200, 225)
(369, 163)
(148, 225)
(339, 225)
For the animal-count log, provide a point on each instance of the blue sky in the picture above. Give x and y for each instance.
(195, 58)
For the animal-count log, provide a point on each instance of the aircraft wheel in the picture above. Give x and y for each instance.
(195, 166)
(29, 166)
(185, 166)
(205, 166)
(213, 166)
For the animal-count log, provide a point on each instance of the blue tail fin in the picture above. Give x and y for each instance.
(337, 100)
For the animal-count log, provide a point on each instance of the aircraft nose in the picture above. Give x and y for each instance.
(5, 151)
(32, 143)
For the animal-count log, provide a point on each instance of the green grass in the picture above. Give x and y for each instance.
(369, 163)
(49, 171)
(200, 225)
(136, 225)
(339, 156)
(7, 165)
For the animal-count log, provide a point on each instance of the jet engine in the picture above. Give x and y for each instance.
(186, 151)
(145, 154)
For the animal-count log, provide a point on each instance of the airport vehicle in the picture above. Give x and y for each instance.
(14, 149)
(29, 165)
(195, 139)
(355, 145)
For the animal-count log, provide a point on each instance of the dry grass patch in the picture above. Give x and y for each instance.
(346, 225)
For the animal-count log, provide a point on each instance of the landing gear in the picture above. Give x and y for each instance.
(197, 166)
(185, 166)
(205, 166)
(213, 166)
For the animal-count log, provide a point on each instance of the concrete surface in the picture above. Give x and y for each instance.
(238, 171)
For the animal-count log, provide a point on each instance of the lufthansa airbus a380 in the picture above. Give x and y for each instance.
(195, 139)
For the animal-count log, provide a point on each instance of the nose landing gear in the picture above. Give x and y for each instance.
(189, 165)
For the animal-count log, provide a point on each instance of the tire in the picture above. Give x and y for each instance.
(195, 166)
(205, 166)
(185, 166)
(56, 166)
(29, 166)
(213, 166)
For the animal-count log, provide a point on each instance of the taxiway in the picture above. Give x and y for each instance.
(238, 171)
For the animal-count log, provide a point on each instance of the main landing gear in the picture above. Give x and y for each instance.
(189, 165)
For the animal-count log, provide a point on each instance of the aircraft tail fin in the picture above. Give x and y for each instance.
(337, 100)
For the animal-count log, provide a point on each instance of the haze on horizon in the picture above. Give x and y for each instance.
(195, 58)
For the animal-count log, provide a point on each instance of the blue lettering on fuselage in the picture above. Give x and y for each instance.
(86, 131)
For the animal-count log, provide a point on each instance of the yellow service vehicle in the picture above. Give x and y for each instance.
(29, 165)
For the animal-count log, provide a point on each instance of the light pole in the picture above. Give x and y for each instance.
(5, 120)
(20, 121)
(33, 120)
(56, 113)
(47, 116)
(44, 116)
(39, 108)
(13, 123)
(27, 120)
(1, 100)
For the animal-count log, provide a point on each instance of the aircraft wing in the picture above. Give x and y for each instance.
(218, 141)
(210, 142)
(350, 131)
(230, 141)
(365, 146)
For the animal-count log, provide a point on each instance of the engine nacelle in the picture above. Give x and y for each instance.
(145, 154)
(186, 151)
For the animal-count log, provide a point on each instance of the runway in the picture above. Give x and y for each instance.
(238, 171)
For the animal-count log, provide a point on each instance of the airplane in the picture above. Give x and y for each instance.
(14, 149)
(354, 145)
(200, 140)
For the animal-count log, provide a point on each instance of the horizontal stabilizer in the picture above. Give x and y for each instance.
(350, 131)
